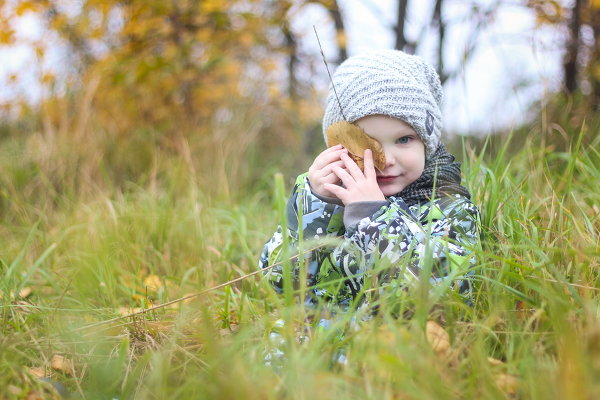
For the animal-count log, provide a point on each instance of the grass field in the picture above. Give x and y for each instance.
(88, 236)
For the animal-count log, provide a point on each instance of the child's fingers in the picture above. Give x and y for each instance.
(330, 178)
(369, 165)
(327, 157)
(331, 149)
(327, 151)
(326, 170)
(329, 167)
(337, 191)
(319, 186)
(351, 166)
(344, 176)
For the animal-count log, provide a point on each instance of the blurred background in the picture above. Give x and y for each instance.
(100, 93)
(139, 142)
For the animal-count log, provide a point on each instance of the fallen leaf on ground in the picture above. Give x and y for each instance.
(507, 383)
(437, 337)
(495, 361)
(25, 292)
(523, 311)
(356, 141)
(37, 372)
(62, 364)
(153, 282)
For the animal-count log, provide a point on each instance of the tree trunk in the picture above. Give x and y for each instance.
(399, 28)
(570, 63)
(340, 31)
(292, 48)
(595, 62)
(439, 20)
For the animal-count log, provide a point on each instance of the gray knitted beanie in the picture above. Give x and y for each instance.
(388, 82)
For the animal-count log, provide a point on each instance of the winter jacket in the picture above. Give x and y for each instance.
(393, 241)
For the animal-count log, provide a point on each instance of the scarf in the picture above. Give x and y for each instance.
(447, 182)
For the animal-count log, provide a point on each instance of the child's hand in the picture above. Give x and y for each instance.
(357, 186)
(321, 173)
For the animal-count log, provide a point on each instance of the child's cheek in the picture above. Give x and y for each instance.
(417, 159)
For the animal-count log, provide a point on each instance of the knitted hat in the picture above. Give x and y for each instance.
(388, 82)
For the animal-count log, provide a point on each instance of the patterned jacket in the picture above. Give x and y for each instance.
(391, 246)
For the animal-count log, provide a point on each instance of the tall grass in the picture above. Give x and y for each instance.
(97, 228)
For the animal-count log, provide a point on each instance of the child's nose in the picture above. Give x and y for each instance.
(389, 159)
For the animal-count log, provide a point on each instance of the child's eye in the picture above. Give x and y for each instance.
(403, 140)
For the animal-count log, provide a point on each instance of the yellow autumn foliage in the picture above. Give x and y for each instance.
(167, 66)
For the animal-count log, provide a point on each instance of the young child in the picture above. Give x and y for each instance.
(394, 217)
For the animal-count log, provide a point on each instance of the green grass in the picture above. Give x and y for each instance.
(88, 242)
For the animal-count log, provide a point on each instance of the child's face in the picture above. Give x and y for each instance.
(404, 151)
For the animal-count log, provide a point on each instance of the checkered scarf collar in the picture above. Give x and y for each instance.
(447, 182)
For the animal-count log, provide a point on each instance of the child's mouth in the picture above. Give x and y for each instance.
(385, 179)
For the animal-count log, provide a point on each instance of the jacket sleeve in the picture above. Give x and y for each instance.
(444, 232)
(318, 219)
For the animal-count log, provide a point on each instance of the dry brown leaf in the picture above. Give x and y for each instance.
(62, 364)
(437, 337)
(37, 372)
(25, 292)
(522, 310)
(507, 383)
(494, 361)
(355, 140)
(152, 282)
